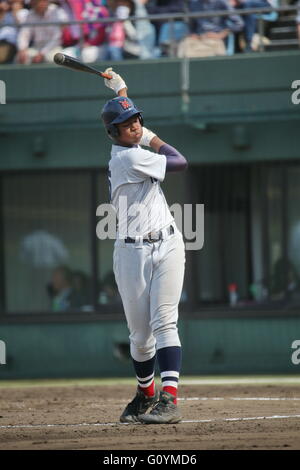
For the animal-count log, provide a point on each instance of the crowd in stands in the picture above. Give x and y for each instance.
(70, 290)
(123, 38)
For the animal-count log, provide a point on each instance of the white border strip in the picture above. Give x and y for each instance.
(125, 400)
(32, 426)
(241, 398)
(243, 380)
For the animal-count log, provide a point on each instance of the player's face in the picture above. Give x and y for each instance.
(130, 131)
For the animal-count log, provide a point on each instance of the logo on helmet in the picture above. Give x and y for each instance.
(125, 104)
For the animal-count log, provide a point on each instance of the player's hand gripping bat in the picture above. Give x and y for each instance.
(75, 64)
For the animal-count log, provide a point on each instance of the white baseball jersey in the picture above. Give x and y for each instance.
(149, 275)
(135, 175)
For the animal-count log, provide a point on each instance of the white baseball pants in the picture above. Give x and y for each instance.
(150, 279)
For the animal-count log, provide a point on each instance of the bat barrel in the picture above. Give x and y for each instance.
(75, 64)
(59, 58)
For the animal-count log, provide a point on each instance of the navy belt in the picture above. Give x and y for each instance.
(152, 236)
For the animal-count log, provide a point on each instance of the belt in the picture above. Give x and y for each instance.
(153, 236)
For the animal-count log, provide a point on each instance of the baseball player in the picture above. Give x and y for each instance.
(149, 256)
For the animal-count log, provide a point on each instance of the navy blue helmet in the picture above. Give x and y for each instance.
(118, 110)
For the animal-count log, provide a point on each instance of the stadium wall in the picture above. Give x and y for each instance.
(228, 113)
(101, 349)
(217, 109)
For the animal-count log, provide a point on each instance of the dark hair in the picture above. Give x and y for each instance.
(66, 272)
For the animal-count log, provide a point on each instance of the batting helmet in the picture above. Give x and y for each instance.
(116, 111)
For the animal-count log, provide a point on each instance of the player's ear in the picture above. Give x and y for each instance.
(112, 131)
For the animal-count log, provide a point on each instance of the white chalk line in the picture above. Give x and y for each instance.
(213, 420)
(124, 400)
(245, 380)
(241, 419)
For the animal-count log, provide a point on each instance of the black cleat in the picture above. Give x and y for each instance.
(139, 405)
(164, 412)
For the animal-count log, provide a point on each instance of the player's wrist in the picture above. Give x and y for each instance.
(147, 137)
(119, 86)
(157, 143)
(122, 92)
(116, 83)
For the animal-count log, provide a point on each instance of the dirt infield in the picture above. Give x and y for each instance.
(214, 417)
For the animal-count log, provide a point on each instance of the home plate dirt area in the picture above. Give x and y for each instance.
(239, 416)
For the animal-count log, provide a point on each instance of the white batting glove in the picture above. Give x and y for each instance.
(147, 137)
(116, 83)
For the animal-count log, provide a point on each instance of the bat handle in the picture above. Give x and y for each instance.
(105, 75)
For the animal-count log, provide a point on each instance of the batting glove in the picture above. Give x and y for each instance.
(147, 137)
(116, 83)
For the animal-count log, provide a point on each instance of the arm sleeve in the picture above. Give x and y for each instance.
(175, 161)
(141, 164)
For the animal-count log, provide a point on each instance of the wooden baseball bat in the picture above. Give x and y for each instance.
(75, 64)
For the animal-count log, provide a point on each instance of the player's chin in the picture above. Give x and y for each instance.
(137, 138)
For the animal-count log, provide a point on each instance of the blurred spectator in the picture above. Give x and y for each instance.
(168, 33)
(81, 294)
(60, 289)
(71, 34)
(69, 290)
(115, 32)
(39, 43)
(8, 34)
(85, 41)
(94, 34)
(208, 35)
(19, 12)
(146, 34)
(132, 44)
(250, 21)
(128, 39)
(42, 249)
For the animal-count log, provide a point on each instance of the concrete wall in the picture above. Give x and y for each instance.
(100, 349)
(238, 109)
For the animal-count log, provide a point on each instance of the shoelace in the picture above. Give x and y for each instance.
(160, 406)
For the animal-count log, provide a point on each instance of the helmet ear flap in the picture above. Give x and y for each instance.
(112, 131)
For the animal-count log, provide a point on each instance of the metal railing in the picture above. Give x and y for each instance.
(172, 17)
(169, 16)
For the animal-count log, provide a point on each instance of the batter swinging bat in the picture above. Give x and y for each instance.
(75, 64)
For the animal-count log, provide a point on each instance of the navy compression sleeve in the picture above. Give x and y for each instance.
(175, 161)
